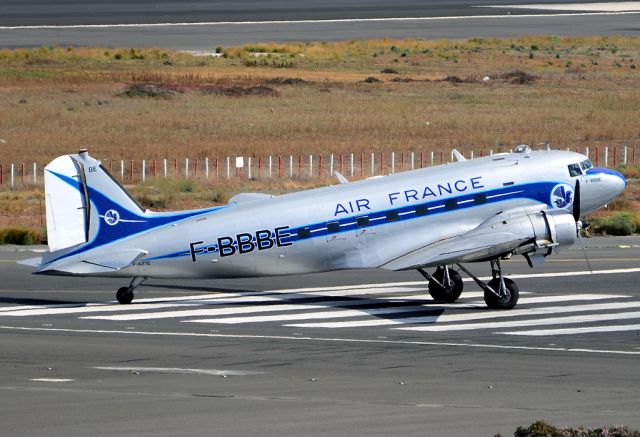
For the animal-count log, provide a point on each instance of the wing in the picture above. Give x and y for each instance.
(507, 232)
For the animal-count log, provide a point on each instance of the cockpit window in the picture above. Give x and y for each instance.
(586, 165)
(574, 170)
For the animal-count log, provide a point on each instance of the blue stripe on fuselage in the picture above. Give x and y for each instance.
(538, 191)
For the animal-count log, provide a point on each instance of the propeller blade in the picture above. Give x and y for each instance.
(584, 250)
(576, 202)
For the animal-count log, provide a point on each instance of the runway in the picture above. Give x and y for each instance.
(201, 25)
(345, 353)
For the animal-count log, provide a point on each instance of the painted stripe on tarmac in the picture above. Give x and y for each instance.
(337, 20)
(180, 371)
(573, 331)
(320, 339)
(590, 318)
(383, 311)
(448, 318)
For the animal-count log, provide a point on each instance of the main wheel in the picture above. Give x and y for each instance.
(446, 294)
(124, 295)
(506, 302)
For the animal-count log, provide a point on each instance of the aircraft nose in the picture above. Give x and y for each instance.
(615, 181)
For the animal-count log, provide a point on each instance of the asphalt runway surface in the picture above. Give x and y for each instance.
(203, 25)
(343, 353)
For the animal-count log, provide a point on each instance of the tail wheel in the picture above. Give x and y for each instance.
(505, 302)
(449, 293)
(124, 295)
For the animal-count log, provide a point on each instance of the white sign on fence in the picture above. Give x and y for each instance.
(239, 161)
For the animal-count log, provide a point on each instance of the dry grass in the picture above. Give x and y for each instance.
(54, 100)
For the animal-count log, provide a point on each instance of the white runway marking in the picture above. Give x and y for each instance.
(327, 21)
(573, 331)
(584, 7)
(181, 371)
(51, 379)
(322, 339)
(533, 322)
(448, 318)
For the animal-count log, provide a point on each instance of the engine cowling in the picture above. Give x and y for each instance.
(551, 229)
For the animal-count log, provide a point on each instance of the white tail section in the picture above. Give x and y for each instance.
(65, 205)
(79, 193)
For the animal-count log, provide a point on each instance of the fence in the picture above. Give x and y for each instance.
(352, 165)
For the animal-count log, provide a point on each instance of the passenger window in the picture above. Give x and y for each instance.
(480, 199)
(422, 210)
(333, 227)
(362, 222)
(392, 216)
(450, 204)
(574, 170)
(304, 232)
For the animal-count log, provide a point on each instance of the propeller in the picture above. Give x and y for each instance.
(579, 223)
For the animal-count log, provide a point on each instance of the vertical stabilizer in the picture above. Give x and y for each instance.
(65, 203)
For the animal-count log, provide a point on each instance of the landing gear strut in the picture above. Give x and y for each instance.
(125, 294)
(500, 293)
(445, 285)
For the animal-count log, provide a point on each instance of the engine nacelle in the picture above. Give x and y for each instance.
(551, 229)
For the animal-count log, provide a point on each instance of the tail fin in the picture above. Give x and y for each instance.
(80, 192)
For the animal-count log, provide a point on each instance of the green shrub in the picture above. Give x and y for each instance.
(20, 236)
(620, 223)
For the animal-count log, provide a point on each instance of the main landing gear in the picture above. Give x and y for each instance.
(125, 294)
(445, 285)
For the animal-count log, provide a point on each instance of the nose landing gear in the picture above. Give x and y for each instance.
(125, 294)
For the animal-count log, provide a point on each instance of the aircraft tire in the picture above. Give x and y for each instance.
(504, 303)
(449, 294)
(124, 295)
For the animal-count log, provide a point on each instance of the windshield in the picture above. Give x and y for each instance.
(574, 170)
(586, 165)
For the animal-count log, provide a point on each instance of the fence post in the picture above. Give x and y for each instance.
(196, 164)
(606, 156)
(280, 166)
(331, 164)
(186, 168)
(341, 164)
(217, 168)
(35, 173)
(615, 155)
(624, 161)
(206, 167)
(248, 164)
(228, 167)
(412, 158)
(155, 168)
(1, 174)
(361, 164)
(471, 155)
(310, 165)
(299, 166)
(122, 170)
(144, 171)
(12, 170)
(373, 164)
(290, 166)
(432, 158)
(352, 173)
(586, 151)
(421, 159)
(393, 162)
(270, 165)
(164, 167)
(381, 164)
(22, 173)
(320, 166)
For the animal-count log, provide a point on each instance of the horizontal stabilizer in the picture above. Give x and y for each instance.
(95, 264)
(31, 262)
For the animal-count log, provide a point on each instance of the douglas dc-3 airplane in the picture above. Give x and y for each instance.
(487, 209)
